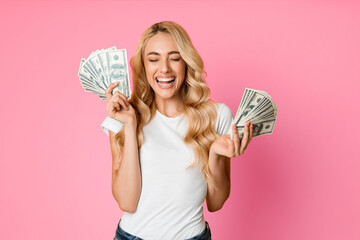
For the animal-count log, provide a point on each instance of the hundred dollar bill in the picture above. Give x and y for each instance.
(104, 67)
(252, 99)
(118, 70)
(259, 128)
(256, 107)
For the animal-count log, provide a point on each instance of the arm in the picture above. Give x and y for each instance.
(126, 175)
(219, 163)
(220, 170)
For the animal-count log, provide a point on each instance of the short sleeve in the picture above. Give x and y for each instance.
(111, 124)
(224, 119)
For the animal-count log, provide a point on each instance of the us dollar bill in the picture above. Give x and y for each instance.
(259, 128)
(256, 107)
(104, 67)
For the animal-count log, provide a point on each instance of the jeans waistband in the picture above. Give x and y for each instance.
(123, 235)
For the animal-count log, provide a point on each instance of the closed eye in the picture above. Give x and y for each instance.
(173, 59)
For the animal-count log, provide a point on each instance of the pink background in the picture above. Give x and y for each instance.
(302, 182)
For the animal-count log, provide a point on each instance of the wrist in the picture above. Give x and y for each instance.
(213, 156)
(130, 125)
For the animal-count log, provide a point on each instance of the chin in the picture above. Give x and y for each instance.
(163, 95)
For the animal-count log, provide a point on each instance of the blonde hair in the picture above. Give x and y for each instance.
(199, 110)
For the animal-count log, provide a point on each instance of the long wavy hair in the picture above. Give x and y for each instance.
(198, 109)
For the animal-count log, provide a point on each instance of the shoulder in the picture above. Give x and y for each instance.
(223, 110)
(224, 118)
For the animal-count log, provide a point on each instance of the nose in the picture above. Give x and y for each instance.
(164, 68)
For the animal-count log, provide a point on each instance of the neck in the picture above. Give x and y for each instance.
(169, 107)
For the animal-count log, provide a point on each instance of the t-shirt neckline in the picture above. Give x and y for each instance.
(170, 118)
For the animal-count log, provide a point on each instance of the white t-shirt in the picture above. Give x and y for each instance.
(171, 200)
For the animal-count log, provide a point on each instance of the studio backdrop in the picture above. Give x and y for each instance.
(301, 182)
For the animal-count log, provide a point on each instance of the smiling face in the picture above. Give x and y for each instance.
(164, 67)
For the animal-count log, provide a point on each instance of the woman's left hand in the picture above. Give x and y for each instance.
(224, 146)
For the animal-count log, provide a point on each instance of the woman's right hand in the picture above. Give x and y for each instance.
(118, 106)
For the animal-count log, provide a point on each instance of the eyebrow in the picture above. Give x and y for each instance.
(156, 53)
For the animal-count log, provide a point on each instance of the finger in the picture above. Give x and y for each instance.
(236, 140)
(227, 140)
(231, 147)
(108, 91)
(122, 102)
(226, 136)
(250, 136)
(245, 138)
(115, 102)
(122, 96)
(115, 105)
(251, 130)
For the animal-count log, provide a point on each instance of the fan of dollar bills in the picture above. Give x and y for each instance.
(102, 68)
(256, 106)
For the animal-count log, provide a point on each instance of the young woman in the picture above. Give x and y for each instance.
(170, 144)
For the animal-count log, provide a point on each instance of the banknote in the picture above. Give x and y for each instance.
(103, 67)
(256, 107)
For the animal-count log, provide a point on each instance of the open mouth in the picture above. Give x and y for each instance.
(165, 81)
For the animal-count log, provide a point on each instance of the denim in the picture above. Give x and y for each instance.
(122, 235)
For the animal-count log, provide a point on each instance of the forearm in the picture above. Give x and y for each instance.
(216, 197)
(126, 182)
